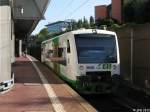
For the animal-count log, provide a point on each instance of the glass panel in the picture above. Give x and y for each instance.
(54, 54)
(96, 48)
(68, 46)
(4, 2)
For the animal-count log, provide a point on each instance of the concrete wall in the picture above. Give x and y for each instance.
(141, 54)
(124, 36)
(5, 43)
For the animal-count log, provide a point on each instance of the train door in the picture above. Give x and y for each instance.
(59, 59)
(70, 59)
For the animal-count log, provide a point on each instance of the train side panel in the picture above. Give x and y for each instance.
(60, 55)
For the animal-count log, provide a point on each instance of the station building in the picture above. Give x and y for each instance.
(114, 10)
(58, 26)
(100, 12)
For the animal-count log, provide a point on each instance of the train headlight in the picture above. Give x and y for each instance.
(114, 67)
(81, 67)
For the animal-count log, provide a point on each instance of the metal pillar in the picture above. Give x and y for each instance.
(6, 77)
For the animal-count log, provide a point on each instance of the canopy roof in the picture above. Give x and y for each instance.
(26, 15)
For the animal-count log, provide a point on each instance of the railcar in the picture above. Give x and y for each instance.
(88, 59)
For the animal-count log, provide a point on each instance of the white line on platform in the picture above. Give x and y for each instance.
(58, 107)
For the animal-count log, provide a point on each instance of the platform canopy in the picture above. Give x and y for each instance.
(26, 15)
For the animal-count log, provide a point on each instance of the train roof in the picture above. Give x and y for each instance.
(84, 31)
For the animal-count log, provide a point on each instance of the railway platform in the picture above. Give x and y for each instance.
(38, 89)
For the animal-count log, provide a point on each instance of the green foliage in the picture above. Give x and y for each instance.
(106, 22)
(137, 11)
(42, 35)
(128, 12)
(98, 22)
(80, 23)
(85, 23)
(35, 51)
(74, 25)
(115, 26)
(92, 22)
(44, 31)
(146, 13)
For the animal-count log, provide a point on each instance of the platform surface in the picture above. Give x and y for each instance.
(34, 93)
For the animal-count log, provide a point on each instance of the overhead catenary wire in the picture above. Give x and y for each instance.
(68, 5)
(76, 9)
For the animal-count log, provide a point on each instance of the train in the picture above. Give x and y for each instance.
(87, 59)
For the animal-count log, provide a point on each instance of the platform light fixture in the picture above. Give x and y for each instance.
(22, 10)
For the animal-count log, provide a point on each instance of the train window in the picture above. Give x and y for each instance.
(61, 56)
(60, 51)
(68, 46)
(98, 49)
(49, 53)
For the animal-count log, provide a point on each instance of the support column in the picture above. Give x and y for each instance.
(20, 47)
(6, 77)
(12, 44)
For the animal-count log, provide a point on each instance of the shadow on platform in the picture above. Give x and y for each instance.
(26, 73)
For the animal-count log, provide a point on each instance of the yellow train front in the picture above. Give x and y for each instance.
(87, 59)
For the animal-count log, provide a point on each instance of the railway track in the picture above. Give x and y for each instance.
(125, 100)
(134, 95)
(131, 102)
(107, 103)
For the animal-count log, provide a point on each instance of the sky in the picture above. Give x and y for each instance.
(69, 9)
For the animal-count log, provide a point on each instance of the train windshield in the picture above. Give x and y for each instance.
(96, 48)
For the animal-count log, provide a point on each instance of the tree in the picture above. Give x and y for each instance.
(85, 23)
(79, 23)
(98, 22)
(42, 35)
(74, 25)
(136, 11)
(146, 14)
(92, 23)
(128, 12)
(139, 10)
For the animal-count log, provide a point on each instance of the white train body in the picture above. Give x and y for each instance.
(87, 58)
